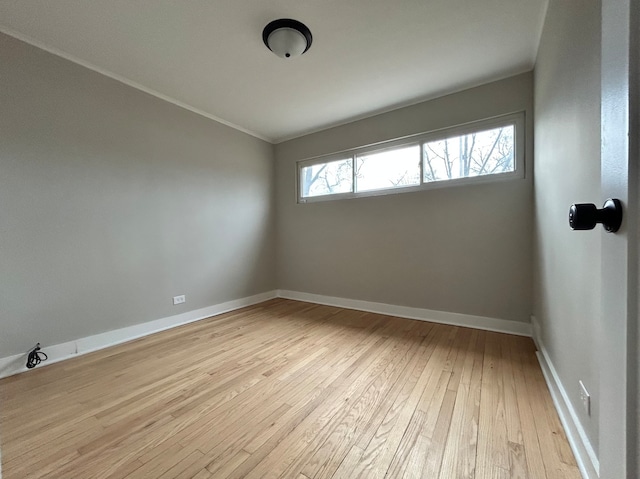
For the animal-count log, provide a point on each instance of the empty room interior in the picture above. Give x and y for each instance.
(311, 240)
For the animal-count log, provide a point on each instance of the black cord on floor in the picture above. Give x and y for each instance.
(36, 357)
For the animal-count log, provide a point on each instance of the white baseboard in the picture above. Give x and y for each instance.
(59, 352)
(16, 364)
(456, 319)
(537, 332)
(582, 449)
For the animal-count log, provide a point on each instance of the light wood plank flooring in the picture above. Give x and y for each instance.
(290, 389)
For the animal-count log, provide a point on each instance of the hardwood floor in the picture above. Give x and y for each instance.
(290, 389)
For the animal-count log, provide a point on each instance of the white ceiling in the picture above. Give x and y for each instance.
(367, 56)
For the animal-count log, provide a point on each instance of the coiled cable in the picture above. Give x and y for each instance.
(36, 357)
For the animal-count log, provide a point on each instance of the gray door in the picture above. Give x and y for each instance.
(618, 350)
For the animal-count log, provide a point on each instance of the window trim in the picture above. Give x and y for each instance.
(515, 119)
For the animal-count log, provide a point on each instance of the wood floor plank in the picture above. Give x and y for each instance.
(493, 451)
(548, 425)
(421, 425)
(327, 457)
(293, 390)
(378, 456)
(223, 447)
(292, 453)
(412, 375)
(202, 474)
(533, 453)
(439, 437)
(459, 459)
(349, 463)
(512, 415)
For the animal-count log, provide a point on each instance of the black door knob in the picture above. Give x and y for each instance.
(585, 216)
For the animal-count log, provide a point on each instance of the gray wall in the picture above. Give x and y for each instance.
(567, 162)
(113, 201)
(463, 249)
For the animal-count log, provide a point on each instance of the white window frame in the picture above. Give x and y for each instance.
(515, 119)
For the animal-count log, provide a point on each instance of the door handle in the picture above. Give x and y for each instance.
(585, 216)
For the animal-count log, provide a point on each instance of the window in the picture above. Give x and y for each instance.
(327, 178)
(487, 152)
(477, 152)
(392, 168)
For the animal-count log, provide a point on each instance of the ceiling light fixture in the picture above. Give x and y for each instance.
(287, 38)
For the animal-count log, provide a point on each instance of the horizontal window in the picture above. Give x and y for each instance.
(481, 151)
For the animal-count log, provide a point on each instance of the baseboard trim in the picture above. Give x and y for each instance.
(59, 352)
(455, 319)
(586, 457)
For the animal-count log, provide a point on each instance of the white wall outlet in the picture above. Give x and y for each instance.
(585, 398)
(179, 299)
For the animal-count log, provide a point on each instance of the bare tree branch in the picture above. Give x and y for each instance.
(310, 181)
(432, 173)
(486, 159)
(447, 162)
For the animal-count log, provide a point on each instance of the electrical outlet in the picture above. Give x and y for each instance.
(585, 398)
(179, 299)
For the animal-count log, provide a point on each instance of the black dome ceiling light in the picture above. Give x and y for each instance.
(287, 38)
